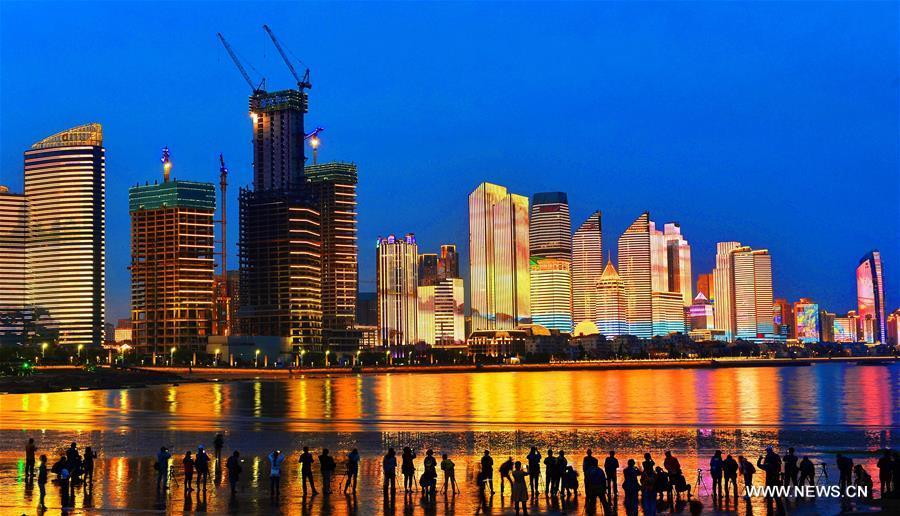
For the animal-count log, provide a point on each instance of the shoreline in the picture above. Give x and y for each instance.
(73, 378)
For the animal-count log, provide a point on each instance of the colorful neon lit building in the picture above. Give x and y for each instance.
(706, 284)
(870, 297)
(551, 301)
(636, 269)
(678, 258)
(668, 313)
(744, 294)
(783, 318)
(498, 258)
(844, 329)
(398, 280)
(441, 316)
(611, 305)
(65, 187)
(14, 315)
(893, 328)
(806, 315)
(701, 314)
(587, 268)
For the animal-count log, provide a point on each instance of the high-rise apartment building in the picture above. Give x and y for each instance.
(678, 257)
(806, 314)
(65, 185)
(587, 268)
(870, 296)
(14, 313)
(498, 258)
(611, 303)
(333, 188)
(172, 265)
(398, 280)
(744, 296)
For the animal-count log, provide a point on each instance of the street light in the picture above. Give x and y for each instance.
(80, 347)
(217, 356)
(302, 352)
(44, 349)
(256, 359)
(172, 356)
(327, 352)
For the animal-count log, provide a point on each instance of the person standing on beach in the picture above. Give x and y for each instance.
(276, 459)
(487, 470)
(518, 488)
(549, 471)
(747, 471)
(189, 465)
(408, 469)
(630, 485)
(505, 471)
(162, 468)
(42, 480)
(233, 466)
(30, 450)
(790, 467)
(534, 470)
(561, 464)
(389, 468)
(845, 468)
(588, 464)
(715, 471)
(611, 467)
(218, 443)
(202, 465)
(673, 467)
(730, 472)
(327, 467)
(89, 456)
(352, 470)
(807, 472)
(448, 467)
(306, 474)
(429, 477)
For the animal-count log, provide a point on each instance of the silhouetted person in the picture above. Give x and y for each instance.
(352, 470)
(201, 463)
(64, 479)
(42, 480)
(885, 470)
(845, 468)
(88, 465)
(534, 470)
(276, 459)
(506, 473)
(747, 470)
(895, 473)
(771, 465)
(448, 467)
(807, 472)
(487, 470)
(648, 490)
(389, 467)
(791, 470)
(630, 485)
(730, 472)
(595, 486)
(429, 475)
(30, 449)
(715, 471)
(218, 443)
(234, 468)
(648, 463)
(73, 464)
(570, 482)
(661, 485)
(518, 488)
(188, 466)
(306, 475)
(408, 469)
(671, 463)
(587, 464)
(863, 482)
(611, 468)
(327, 467)
(162, 468)
(549, 471)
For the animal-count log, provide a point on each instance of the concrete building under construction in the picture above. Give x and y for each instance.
(172, 264)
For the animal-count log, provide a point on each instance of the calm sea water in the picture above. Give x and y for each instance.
(819, 409)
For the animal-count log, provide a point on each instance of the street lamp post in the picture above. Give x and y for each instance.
(44, 349)
(256, 359)
(327, 352)
(172, 356)
(302, 352)
(216, 359)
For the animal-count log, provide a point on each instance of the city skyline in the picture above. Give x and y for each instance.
(799, 271)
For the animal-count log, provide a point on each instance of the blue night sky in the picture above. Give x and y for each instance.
(775, 124)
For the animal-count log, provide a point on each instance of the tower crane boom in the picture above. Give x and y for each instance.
(240, 67)
(301, 83)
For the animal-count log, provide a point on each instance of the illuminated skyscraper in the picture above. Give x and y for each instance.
(636, 270)
(278, 139)
(587, 268)
(783, 318)
(706, 285)
(806, 314)
(550, 228)
(428, 269)
(172, 265)
(65, 185)
(498, 258)
(870, 296)
(744, 297)
(826, 322)
(441, 317)
(844, 329)
(551, 301)
(14, 314)
(611, 304)
(668, 313)
(448, 262)
(398, 280)
(333, 188)
(893, 328)
(678, 254)
(700, 314)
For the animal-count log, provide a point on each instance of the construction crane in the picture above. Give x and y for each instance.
(222, 312)
(313, 138)
(256, 89)
(301, 83)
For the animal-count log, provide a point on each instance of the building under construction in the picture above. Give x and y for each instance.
(172, 264)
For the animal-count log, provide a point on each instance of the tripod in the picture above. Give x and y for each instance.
(823, 478)
(172, 478)
(701, 484)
